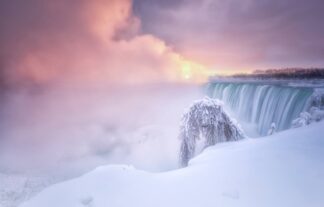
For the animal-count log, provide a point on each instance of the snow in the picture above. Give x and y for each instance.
(303, 120)
(68, 132)
(16, 188)
(284, 169)
(317, 114)
(207, 120)
(306, 118)
(272, 129)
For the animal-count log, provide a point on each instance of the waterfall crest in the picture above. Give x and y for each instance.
(262, 104)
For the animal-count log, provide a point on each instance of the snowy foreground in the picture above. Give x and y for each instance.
(285, 169)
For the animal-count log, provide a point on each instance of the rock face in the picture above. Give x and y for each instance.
(205, 119)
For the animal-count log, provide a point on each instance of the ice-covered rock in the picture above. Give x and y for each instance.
(306, 118)
(317, 98)
(303, 120)
(316, 114)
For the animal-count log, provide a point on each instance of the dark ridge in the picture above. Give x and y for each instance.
(285, 73)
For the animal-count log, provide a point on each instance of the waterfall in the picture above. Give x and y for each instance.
(262, 104)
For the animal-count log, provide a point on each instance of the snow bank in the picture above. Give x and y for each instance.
(17, 188)
(285, 169)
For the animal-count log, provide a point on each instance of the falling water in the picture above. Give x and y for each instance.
(262, 104)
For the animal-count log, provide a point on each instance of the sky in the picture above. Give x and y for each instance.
(239, 34)
(147, 41)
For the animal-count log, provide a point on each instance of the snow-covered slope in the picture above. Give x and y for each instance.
(285, 169)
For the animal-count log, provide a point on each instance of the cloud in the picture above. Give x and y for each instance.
(60, 51)
(240, 35)
(89, 42)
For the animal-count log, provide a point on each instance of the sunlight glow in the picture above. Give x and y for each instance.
(191, 71)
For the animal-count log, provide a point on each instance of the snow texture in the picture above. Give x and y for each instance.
(17, 188)
(317, 98)
(306, 118)
(285, 169)
(205, 119)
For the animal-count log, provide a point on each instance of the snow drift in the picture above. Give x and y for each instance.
(285, 169)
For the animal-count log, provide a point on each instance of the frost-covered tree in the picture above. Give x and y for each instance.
(205, 119)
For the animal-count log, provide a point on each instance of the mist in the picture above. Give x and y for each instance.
(72, 130)
(82, 85)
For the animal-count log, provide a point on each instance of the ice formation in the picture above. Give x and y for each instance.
(272, 129)
(306, 118)
(206, 119)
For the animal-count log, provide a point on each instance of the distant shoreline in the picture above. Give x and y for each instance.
(279, 74)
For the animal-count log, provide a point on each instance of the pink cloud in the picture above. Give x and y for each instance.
(97, 42)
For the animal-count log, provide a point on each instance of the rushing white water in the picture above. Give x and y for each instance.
(263, 104)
